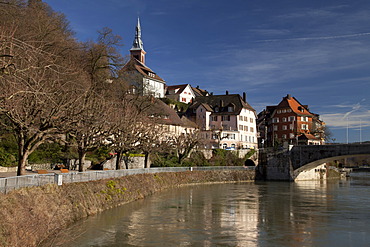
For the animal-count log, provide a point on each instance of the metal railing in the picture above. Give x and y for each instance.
(12, 183)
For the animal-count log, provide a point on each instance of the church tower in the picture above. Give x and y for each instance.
(137, 50)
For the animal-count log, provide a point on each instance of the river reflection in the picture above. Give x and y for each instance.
(313, 213)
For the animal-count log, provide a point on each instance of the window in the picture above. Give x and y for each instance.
(240, 127)
(304, 119)
(226, 118)
(275, 120)
(278, 111)
(291, 126)
(291, 135)
(275, 127)
(284, 119)
(251, 129)
(284, 136)
(183, 99)
(283, 111)
(246, 119)
(304, 126)
(225, 135)
(251, 120)
(289, 110)
(245, 128)
(214, 118)
(230, 108)
(224, 146)
(231, 136)
(285, 127)
(240, 118)
(291, 118)
(216, 109)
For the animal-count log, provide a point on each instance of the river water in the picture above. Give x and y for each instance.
(311, 213)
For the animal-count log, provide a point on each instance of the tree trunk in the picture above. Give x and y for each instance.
(81, 160)
(126, 159)
(118, 160)
(147, 154)
(23, 153)
(22, 162)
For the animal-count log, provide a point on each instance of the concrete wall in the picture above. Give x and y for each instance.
(8, 169)
(133, 163)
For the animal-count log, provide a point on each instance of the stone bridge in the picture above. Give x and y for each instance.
(289, 164)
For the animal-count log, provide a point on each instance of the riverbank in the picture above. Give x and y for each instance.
(31, 215)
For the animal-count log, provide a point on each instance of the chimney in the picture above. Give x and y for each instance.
(197, 87)
(211, 93)
(221, 103)
(227, 92)
(288, 96)
(244, 97)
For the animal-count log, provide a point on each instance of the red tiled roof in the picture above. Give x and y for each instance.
(294, 104)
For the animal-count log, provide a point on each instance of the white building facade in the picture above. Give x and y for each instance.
(225, 121)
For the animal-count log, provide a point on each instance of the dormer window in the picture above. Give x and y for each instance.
(217, 109)
(231, 108)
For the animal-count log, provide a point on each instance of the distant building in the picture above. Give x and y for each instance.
(141, 78)
(225, 121)
(181, 93)
(289, 122)
(200, 92)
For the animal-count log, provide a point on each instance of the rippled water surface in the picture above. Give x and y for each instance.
(312, 213)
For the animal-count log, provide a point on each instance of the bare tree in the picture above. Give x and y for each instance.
(101, 62)
(38, 79)
(130, 124)
(154, 139)
(184, 144)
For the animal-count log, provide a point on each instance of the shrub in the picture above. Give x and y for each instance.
(7, 159)
(222, 157)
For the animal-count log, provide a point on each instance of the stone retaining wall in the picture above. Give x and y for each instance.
(30, 215)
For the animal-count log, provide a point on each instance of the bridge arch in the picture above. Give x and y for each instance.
(316, 163)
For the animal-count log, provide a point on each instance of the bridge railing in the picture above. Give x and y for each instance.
(12, 183)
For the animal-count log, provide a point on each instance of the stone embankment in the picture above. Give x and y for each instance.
(30, 215)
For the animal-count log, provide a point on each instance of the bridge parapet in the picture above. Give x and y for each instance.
(302, 155)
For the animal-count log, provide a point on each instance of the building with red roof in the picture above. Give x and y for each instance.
(289, 122)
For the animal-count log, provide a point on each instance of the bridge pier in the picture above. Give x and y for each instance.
(275, 165)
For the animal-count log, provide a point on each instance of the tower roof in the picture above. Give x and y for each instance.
(138, 43)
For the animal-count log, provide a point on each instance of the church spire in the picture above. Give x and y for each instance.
(137, 49)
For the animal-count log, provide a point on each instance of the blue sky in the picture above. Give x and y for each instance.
(317, 51)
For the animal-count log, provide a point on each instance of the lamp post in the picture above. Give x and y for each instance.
(347, 129)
